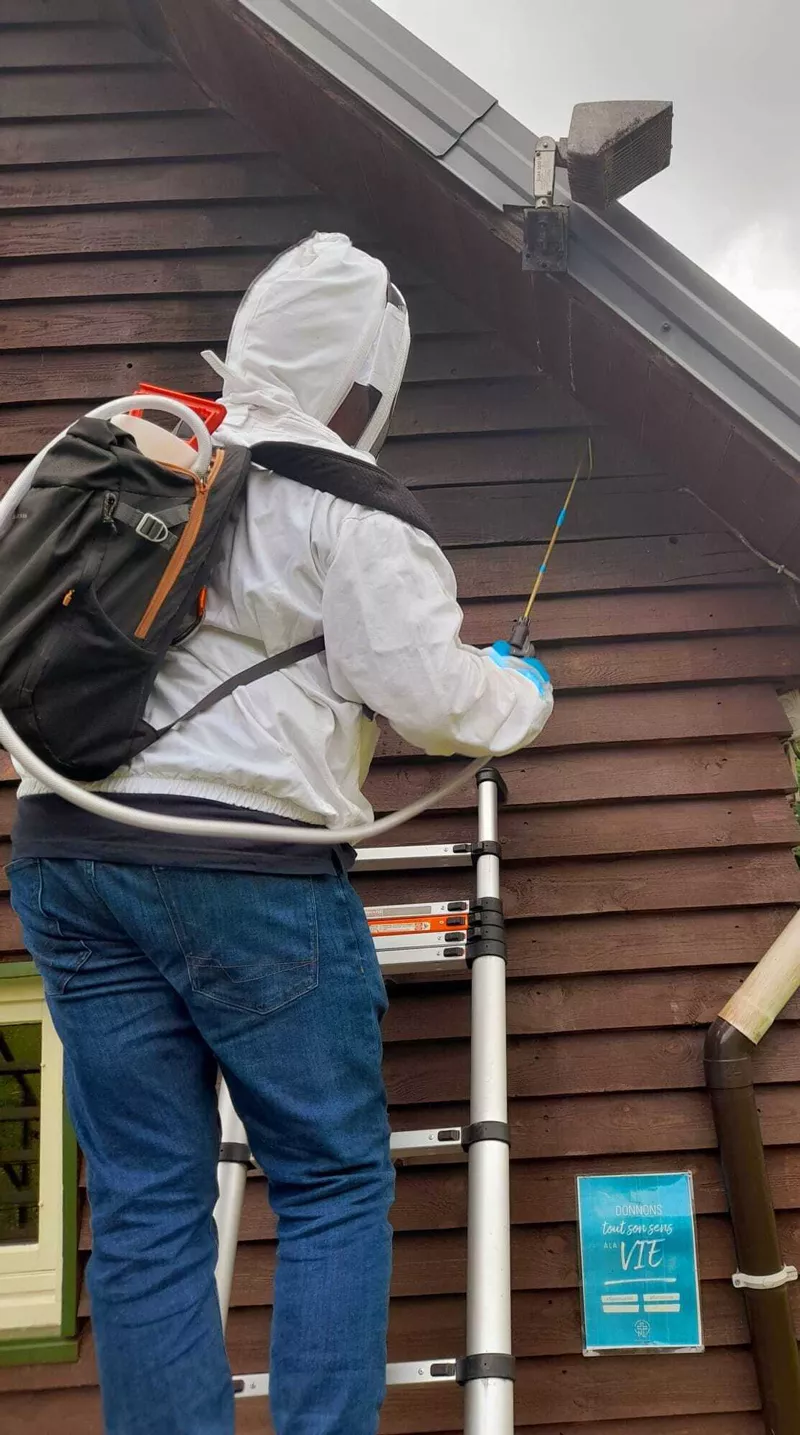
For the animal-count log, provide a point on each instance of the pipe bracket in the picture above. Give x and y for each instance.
(765, 1283)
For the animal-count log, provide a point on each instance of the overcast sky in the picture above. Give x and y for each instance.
(731, 197)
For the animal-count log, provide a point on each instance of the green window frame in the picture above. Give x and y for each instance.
(38, 1181)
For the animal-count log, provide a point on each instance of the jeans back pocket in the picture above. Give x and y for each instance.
(250, 942)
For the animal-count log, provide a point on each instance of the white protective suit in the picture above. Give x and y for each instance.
(299, 562)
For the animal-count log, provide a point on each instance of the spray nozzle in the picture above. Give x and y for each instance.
(520, 639)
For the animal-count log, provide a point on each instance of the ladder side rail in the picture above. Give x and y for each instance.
(234, 1159)
(489, 1388)
(486, 1371)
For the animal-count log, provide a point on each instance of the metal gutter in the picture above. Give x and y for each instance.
(624, 264)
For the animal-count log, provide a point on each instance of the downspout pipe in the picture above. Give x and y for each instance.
(762, 1275)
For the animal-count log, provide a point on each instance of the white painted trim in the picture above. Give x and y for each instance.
(31, 1274)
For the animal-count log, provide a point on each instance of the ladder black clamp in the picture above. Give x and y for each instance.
(485, 849)
(493, 774)
(485, 1367)
(486, 930)
(236, 1151)
(487, 936)
(485, 1131)
(486, 947)
(487, 912)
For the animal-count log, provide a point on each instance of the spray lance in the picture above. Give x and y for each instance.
(505, 654)
(519, 645)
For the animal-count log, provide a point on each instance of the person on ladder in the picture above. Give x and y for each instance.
(165, 958)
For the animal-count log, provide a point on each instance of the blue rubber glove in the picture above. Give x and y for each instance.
(530, 668)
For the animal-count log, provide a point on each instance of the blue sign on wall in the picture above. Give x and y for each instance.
(638, 1254)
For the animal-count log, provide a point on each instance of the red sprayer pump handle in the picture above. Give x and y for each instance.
(208, 410)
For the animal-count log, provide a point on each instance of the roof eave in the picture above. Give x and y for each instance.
(714, 396)
(619, 260)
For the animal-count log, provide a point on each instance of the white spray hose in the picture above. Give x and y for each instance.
(208, 827)
(199, 464)
(188, 826)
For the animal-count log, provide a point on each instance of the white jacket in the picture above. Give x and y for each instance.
(297, 563)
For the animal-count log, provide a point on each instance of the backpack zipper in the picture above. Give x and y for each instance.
(184, 545)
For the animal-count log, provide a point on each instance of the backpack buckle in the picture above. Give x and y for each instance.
(153, 528)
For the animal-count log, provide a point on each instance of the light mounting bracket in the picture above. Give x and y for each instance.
(612, 147)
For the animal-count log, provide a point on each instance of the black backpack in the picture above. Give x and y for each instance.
(104, 567)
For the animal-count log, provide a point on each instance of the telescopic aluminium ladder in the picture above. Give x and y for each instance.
(430, 939)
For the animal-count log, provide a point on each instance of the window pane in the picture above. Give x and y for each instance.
(20, 1124)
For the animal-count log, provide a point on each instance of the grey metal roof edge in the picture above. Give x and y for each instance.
(682, 318)
(627, 266)
(383, 63)
(651, 285)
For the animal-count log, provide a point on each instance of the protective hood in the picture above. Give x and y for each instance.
(321, 318)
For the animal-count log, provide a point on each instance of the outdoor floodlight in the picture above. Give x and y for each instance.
(612, 147)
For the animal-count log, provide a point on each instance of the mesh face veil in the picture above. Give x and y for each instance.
(384, 369)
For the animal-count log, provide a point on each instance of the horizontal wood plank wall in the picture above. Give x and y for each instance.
(648, 835)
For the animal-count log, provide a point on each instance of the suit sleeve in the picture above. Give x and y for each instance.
(392, 635)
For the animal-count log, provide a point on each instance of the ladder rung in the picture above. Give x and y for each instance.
(422, 1372)
(457, 911)
(409, 941)
(440, 1143)
(405, 1372)
(423, 961)
(449, 854)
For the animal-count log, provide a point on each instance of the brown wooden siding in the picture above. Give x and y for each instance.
(648, 834)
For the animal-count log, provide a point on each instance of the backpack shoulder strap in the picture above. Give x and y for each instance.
(253, 674)
(344, 476)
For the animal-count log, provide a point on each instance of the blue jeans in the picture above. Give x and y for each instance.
(154, 976)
